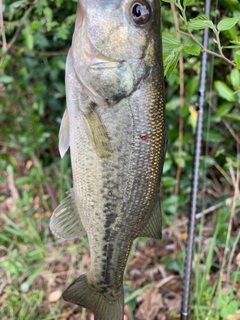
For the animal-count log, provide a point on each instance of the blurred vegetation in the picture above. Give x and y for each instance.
(36, 36)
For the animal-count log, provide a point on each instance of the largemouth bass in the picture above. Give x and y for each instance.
(115, 126)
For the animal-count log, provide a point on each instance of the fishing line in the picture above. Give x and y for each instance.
(195, 174)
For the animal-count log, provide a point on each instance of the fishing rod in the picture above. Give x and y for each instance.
(195, 174)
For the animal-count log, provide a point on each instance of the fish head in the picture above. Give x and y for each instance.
(113, 45)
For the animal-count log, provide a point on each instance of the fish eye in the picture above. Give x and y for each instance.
(140, 12)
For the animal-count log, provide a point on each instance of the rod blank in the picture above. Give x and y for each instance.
(195, 174)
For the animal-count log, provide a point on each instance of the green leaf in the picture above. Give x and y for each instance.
(48, 13)
(170, 63)
(136, 293)
(200, 17)
(6, 79)
(194, 49)
(15, 5)
(5, 61)
(234, 117)
(170, 43)
(176, 266)
(212, 136)
(200, 24)
(29, 39)
(51, 25)
(235, 79)
(223, 110)
(188, 2)
(170, 1)
(224, 91)
(24, 180)
(230, 309)
(227, 23)
(35, 25)
(237, 61)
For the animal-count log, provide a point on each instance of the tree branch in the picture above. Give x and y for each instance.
(4, 41)
(41, 53)
(14, 38)
(191, 36)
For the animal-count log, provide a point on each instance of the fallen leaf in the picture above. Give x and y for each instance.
(54, 296)
(234, 317)
(86, 260)
(28, 164)
(238, 259)
(184, 235)
(60, 267)
(152, 303)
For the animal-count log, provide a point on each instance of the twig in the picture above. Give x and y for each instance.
(18, 9)
(199, 215)
(233, 133)
(190, 35)
(236, 242)
(228, 201)
(230, 129)
(181, 94)
(12, 188)
(222, 172)
(4, 42)
(235, 180)
(162, 282)
(180, 125)
(41, 53)
(14, 38)
(233, 208)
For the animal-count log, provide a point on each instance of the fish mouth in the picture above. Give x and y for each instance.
(105, 80)
(88, 59)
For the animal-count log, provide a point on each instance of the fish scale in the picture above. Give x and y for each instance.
(115, 126)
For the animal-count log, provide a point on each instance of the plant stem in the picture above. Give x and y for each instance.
(221, 56)
(181, 93)
(219, 43)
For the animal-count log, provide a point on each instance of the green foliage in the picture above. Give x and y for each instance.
(198, 23)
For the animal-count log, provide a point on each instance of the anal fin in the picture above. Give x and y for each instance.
(65, 222)
(153, 228)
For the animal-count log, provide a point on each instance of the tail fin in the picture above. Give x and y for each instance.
(80, 293)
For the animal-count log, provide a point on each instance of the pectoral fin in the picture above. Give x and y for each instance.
(64, 134)
(97, 135)
(65, 222)
(153, 229)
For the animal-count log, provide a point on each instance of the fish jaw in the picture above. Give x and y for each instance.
(109, 51)
(105, 80)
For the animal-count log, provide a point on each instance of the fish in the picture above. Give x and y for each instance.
(114, 124)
